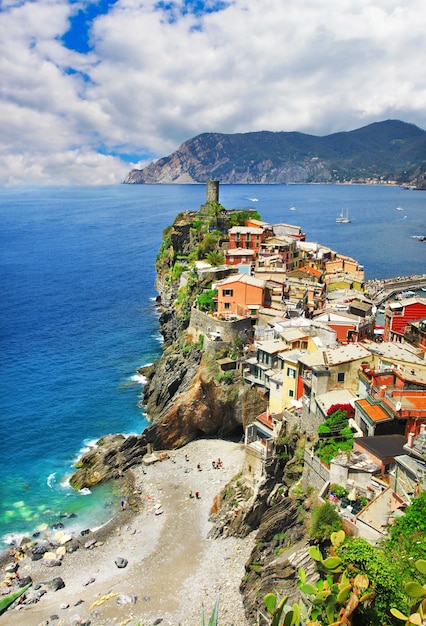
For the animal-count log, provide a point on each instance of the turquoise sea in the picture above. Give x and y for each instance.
(78, 315)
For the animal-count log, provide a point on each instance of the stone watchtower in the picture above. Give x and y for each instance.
(212, 194)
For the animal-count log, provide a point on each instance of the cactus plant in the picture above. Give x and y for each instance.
(283, 615)
(335, 597)
(416, 591)
(332, 600)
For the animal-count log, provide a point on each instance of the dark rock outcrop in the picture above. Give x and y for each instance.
(112, 456)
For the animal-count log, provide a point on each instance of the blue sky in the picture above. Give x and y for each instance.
(89, 90)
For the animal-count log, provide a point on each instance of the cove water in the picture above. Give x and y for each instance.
(78, 316)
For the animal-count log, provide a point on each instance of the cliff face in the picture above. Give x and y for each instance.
(186, 395)
(193, 162)
(389, 150)
(184, 400)
(278, 513)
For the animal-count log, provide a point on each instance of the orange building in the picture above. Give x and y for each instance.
(241, 295)
(245, 237)
(349, 328)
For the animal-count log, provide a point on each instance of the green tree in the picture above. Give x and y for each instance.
(215, 258)
(385, 576)
(239, 218)
(206, 300)
(208, 244)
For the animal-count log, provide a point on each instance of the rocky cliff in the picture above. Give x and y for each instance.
(390, 150)
(277, 510)
(193, 162)
(186, 395)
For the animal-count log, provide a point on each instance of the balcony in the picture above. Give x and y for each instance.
(307, 378)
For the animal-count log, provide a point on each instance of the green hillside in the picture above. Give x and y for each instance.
(383, 151)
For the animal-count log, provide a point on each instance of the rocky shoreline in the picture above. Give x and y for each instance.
(154, 563)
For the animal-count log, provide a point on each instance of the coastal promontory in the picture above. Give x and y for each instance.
(195, 388)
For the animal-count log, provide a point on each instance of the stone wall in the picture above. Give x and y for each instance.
(315, 474)
(304, 420)
(203, 324)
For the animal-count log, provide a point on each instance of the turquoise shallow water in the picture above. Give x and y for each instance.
(77, 314)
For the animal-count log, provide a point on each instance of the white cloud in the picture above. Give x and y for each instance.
(64, 168)
(153, 80)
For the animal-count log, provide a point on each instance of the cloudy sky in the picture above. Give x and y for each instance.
(89, 90)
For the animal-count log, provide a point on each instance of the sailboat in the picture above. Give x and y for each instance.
(343, 219)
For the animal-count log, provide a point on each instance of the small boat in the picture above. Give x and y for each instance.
(402, 295)
(423, 288)
(292, 208)
(343, 219)
(399, 208)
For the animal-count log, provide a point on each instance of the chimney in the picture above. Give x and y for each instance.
(410, 440)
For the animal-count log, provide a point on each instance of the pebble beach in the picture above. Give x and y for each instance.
(155, 565)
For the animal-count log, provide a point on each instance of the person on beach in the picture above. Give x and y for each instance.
(123, 505)
(197, 495)
(191, 495)
(199, 467)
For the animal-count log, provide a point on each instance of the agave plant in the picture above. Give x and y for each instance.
(213, 620)
(6, 601)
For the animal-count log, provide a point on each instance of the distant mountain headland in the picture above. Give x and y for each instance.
(384, 152)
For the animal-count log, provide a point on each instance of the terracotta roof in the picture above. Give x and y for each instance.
(265, 418)
(374, 411)
(411, 400)
(309, 270)
(241, 278)
(245, 230)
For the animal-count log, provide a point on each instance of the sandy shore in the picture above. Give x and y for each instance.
(173, 568)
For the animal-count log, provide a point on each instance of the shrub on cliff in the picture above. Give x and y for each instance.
(406, 542)
(215, 258)
(239, 218)
(165, 255)
(324, 521)
(206, 300)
